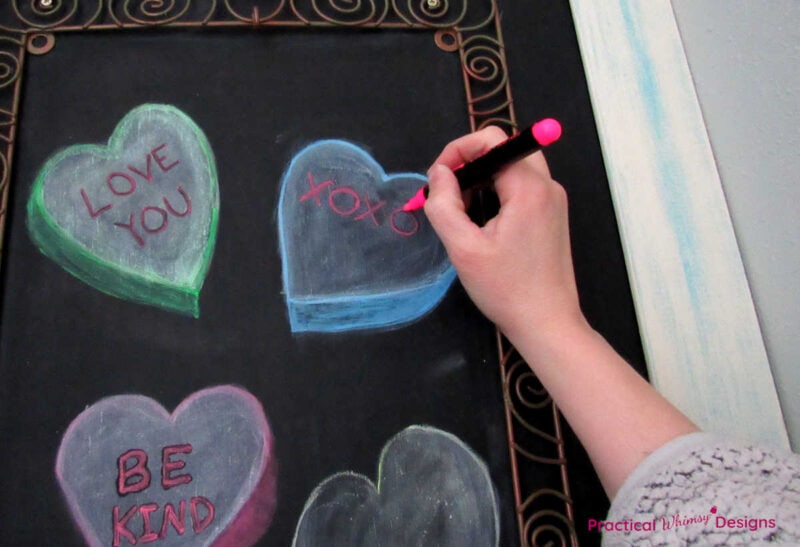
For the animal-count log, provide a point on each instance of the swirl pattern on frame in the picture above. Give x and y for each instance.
(156, 12)
(46, 14)
(432, 13)
(545, 526)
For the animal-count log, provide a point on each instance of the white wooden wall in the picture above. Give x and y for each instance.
(701, 337)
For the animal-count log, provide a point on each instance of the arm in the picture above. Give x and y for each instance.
(518, 271)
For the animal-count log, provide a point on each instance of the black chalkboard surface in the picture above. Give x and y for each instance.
(332, 399)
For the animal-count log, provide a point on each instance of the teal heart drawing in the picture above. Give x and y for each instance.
(137, 218)
(352, 258)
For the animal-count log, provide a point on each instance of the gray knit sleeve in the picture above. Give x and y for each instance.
(701, 489)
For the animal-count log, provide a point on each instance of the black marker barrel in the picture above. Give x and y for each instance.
(484, 168)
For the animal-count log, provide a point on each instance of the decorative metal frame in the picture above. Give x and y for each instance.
(544, 508)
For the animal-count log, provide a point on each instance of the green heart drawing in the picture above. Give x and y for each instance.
(137, 218)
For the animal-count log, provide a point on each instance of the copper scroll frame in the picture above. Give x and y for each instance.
(468, 28)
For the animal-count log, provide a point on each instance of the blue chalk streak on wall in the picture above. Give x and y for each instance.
(672, 185)
(346, 270)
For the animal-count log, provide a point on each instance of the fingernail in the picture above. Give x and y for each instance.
(435, 167)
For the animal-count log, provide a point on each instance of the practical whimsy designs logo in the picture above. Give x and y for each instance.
(677, 522)
(137, 218)
(432, 490)
(133, 473)
(352, 258)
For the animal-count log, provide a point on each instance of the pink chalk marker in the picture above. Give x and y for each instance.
(483, 168)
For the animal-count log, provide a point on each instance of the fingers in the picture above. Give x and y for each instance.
(470, 146)
(522, 178)
(538, 162)
(519, 183)
(445, 208)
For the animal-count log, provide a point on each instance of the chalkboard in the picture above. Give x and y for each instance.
(264, 84)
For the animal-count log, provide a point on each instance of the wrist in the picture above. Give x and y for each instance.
(539, 340)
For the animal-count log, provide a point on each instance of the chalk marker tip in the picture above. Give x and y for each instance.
(546, 131)
(417, 202)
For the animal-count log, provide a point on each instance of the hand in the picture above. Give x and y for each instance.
(518, 267)
(518, 270)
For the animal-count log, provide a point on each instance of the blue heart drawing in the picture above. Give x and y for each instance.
(352, 258)
(432, 491)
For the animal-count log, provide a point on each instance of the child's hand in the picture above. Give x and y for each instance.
(518, 267)
(518, 270)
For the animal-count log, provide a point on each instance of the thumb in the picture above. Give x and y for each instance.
(445, 208)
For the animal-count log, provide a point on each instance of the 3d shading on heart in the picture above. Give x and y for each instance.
(137, 218)
(432, 491)
(204, 475)
(352, 258)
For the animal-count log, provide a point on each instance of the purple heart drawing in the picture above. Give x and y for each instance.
(352, 258)
(133, 473)
(137, 218)
(432, 491)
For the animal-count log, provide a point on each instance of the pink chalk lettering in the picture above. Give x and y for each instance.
(160, 160)
(129, 226)
(148, 174)
(153, 219)
(148, 536)
(121, 526)
(201, 509)
(94, 213)
(134, 478)
(131, 183)
(346, 201)
(198, 525)
(186, 201)
(315, 190)
(177, 521)
(347, 191)
(168, 466)
(409, 217)
(371, 209)
(162, 225)
(123, 184)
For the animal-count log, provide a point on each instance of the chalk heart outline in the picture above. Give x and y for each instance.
(232, 464)
(351, 258)
(86, 242)
(432, 491)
